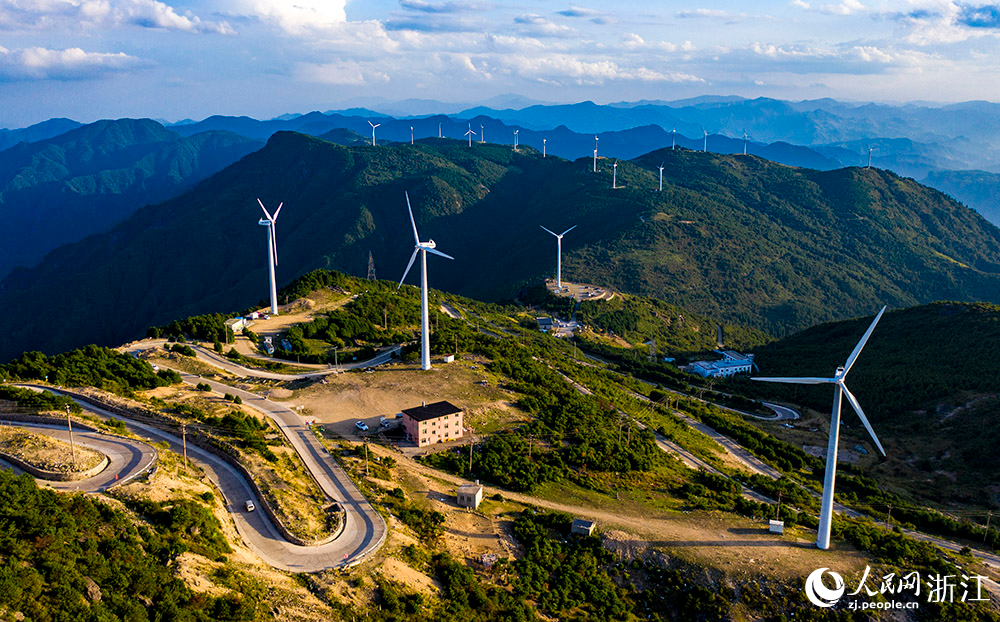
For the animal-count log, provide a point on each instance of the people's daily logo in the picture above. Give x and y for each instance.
(818, 593)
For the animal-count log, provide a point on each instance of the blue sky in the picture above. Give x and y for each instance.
(91, 59)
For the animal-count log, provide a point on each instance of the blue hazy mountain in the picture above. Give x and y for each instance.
(83, 181)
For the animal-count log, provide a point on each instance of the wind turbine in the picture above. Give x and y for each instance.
(826, 508)
(411, 134)
(423, 248)
(614, 175)
(515, 139)
(559, 237)
(374, 125)
(744, 142)
(705, 148)
(595, 159)
(439, 129)
(470, 134)
(272, 251)
(661, 176)
(482, 134)
(870, 149)
(544, 140)
(673, 138)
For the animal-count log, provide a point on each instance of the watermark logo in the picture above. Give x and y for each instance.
(819, 594)
(937, 588)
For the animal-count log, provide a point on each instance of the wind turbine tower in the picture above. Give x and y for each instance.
(614, 175)
(744, 142)
(423, 248)
(673, 138)
(272, 251)
(482, 134)
(470, 134)
(559, 237)
(544, 140)
(839, 391)
(411, 134)
(374, 125)
(515, 139)
(595, 159)
(870, 149)
(439, 129)
(705, 148)
(661, 176)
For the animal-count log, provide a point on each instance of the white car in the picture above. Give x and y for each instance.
(250, 506)
(361, 425)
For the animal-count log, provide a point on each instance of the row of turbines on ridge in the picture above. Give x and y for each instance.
(422, 248)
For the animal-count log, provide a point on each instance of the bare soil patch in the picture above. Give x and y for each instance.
(47, 453)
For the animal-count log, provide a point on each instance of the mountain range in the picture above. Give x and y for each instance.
(82, 181)
(735, 237)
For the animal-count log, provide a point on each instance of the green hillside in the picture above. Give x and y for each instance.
(65, 188)
(929, 381)
(736, 238)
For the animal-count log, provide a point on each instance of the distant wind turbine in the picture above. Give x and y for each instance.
(744, 142)
(482, 134)
(374, 125)
(870, 149)
(595, 159)
(614, 175)
(559, 237)
(673, 138)
(411, 134)
(439, 129)
(470, 134)
(840, 390)
(272, 251)
(661, 176)
(705, 148)
(544, 140)
(423, 248)
(515, 139)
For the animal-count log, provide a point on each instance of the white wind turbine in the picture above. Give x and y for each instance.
(829, 479)
(272, 251)
(374, 125)
(470, 134)
(482, 134)
(544, 140)
(673, 138)
(614, 175)
(705, 148)
(870, 149)
(439, 129)
(661, 176)
(411, 134)
(744, 142)
(559, 237)
(423, 248)
(515, 139)
(596, 138)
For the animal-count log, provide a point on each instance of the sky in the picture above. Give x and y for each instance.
(93, 59)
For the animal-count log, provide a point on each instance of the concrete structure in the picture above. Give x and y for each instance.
(583, 527)
(433, 423)
(448, 358)
(470, 495)
(732, 363)
(776, 526)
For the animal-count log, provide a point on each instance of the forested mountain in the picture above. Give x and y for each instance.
(738, 238)
(36, 132)
(928, 379)
(85, 180)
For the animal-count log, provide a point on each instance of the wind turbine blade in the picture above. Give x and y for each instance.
(265, 210)
(555, 234)
(276, 211)
(437, 252)
(274, 243)
(861, 344)
(416, 237)
(413, 258)
(861, 414)
(568, 230)
(798, 380)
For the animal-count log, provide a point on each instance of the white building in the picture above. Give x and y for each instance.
(732, 363)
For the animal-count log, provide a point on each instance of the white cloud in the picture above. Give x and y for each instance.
(341, 72)
(847, 7)
(47, 14)
(38, 63)
(300, 17)
(727, 16)
(570, 69)
(538, 26)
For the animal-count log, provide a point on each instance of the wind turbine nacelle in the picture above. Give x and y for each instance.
(264, 221)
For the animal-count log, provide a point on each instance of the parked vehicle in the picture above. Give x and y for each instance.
(361, 425)
(250, 506)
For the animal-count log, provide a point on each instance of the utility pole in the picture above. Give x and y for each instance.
(69, 424)
(366, 459)
(777, 514)
(185, 444)
(529, 447)
(987, 532)
(888, 517)
(472, 441)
